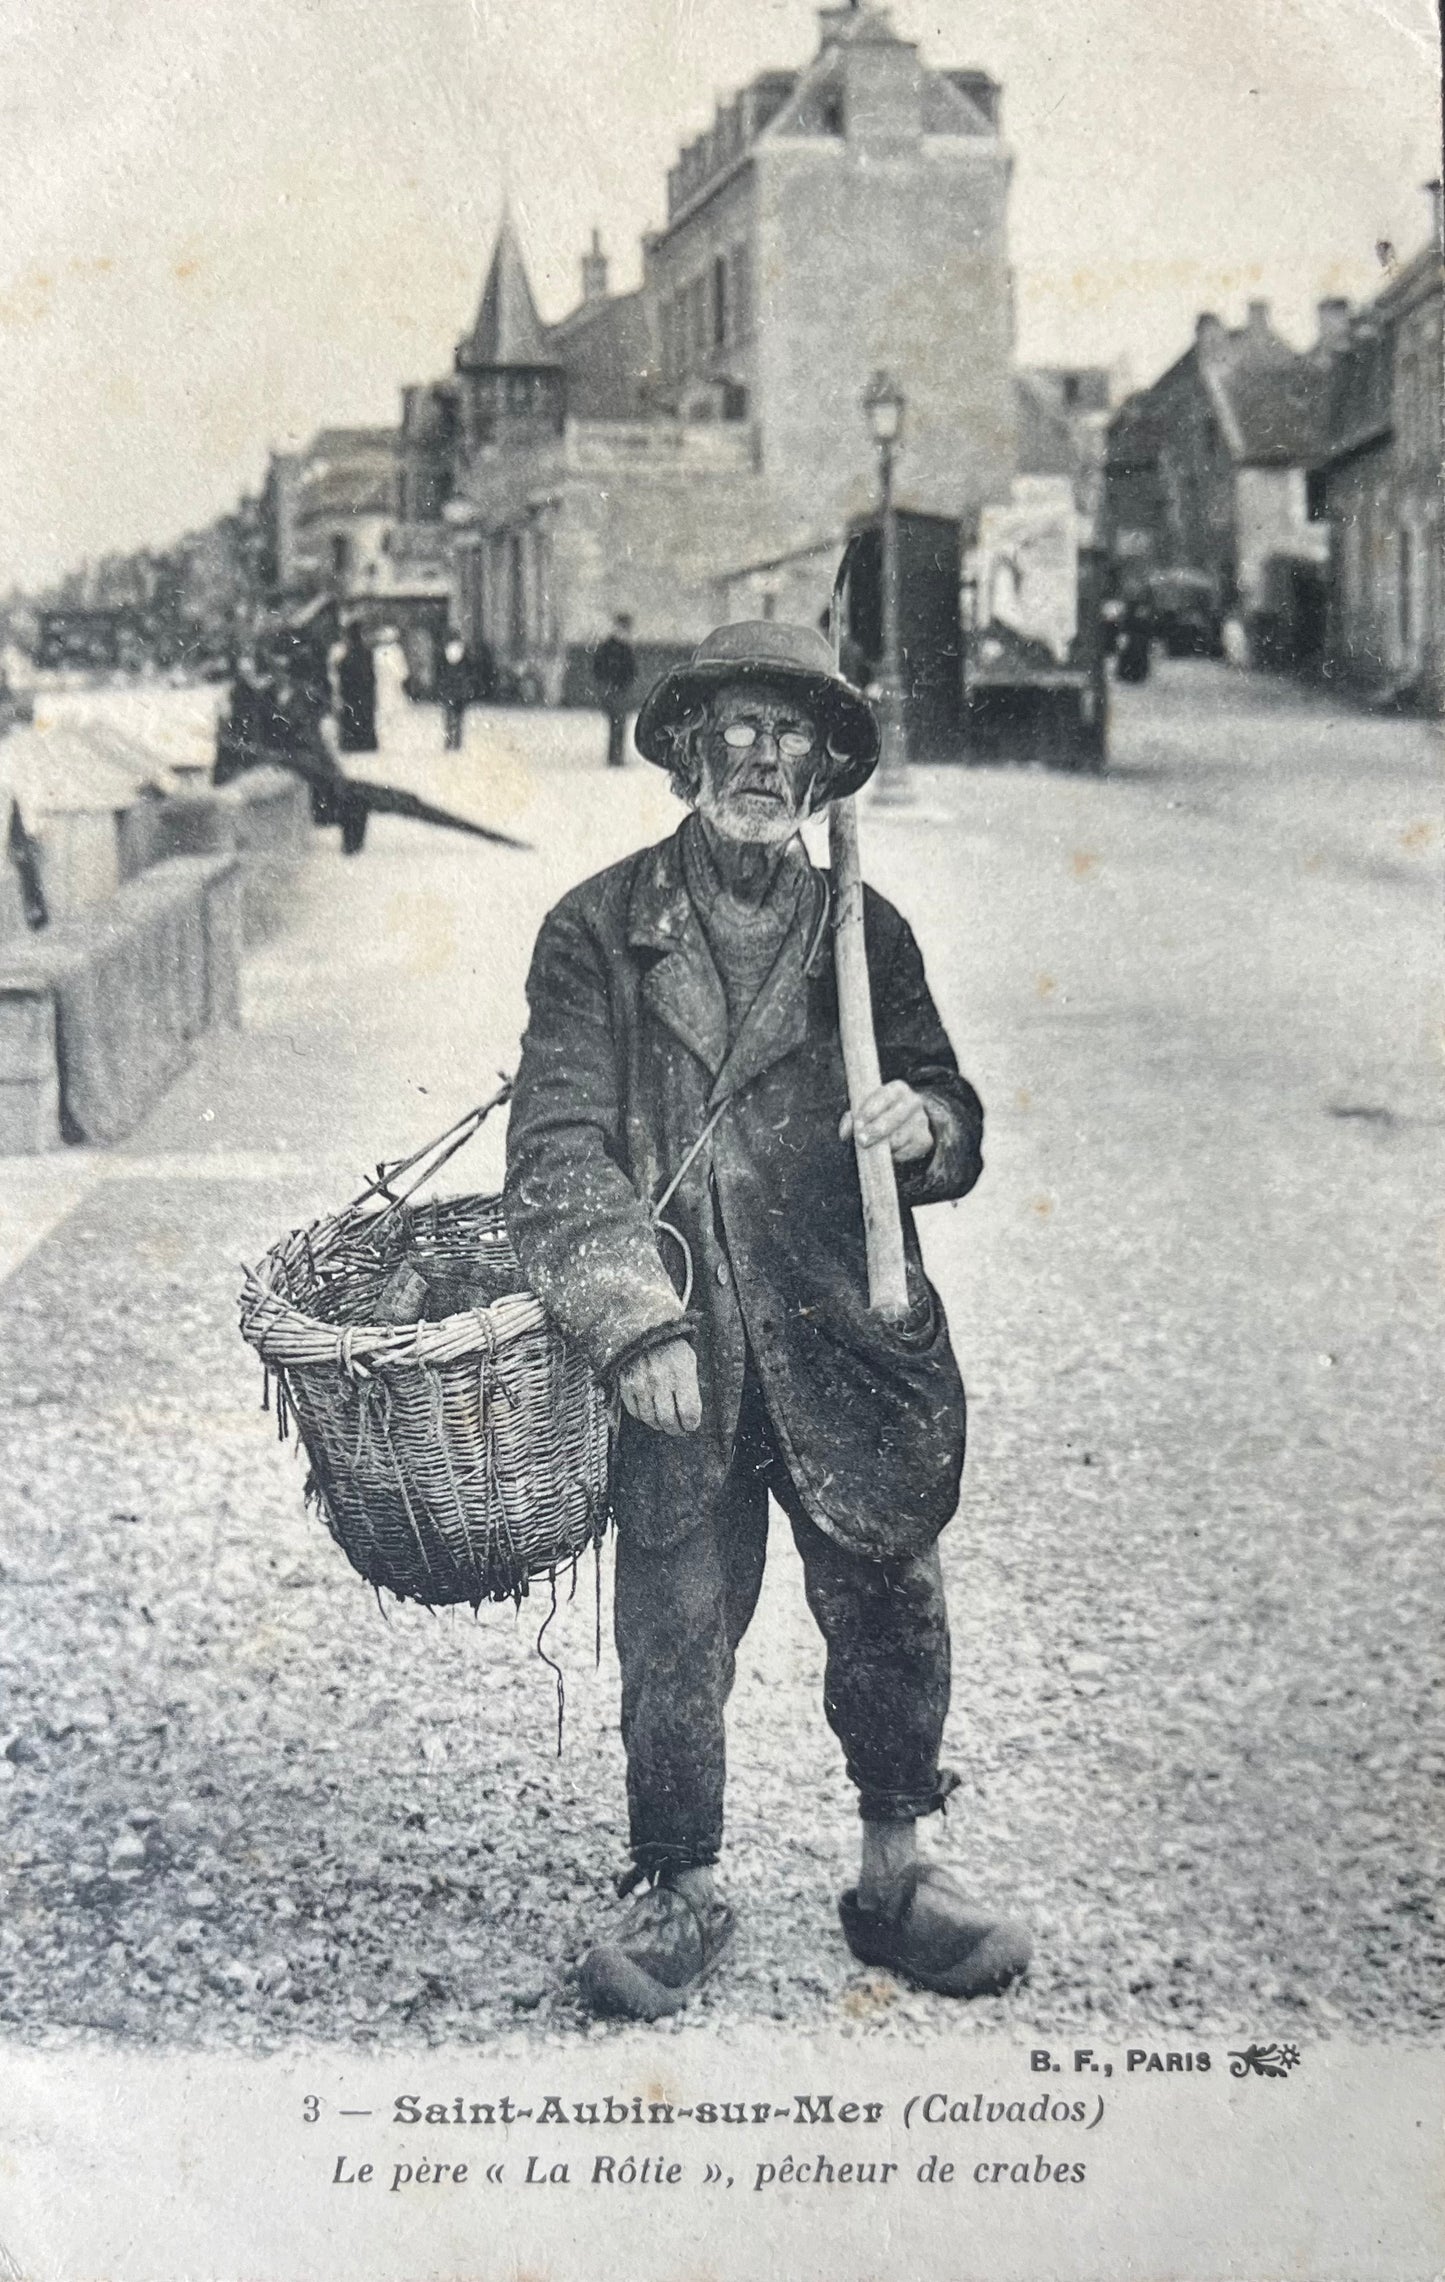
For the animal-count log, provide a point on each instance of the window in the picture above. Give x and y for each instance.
(701, 319)
(677, 322)
(1350, 561)
(1405, 404)
(516, 596)
(740, 278)
(495, 590)
(720, 310)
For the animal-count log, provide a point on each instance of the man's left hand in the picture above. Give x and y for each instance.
(896, 1114)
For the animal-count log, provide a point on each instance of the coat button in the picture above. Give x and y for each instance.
(722, 1271)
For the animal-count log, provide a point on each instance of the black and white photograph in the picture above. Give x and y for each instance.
(720, 1141)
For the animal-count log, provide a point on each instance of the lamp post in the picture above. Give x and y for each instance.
(884, 402)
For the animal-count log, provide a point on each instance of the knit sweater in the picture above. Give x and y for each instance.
(744, 938)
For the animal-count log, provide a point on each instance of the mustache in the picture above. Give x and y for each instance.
(765, 777)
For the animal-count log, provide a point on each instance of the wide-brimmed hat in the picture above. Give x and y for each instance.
(763, 649)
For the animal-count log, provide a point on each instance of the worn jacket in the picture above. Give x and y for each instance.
(625, 1058)
(614, 666)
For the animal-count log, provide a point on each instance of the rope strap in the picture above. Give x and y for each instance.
(665, 1227)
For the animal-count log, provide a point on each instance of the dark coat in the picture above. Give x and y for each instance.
(614, 667)
(241, 733)
(624, 1057)
(356, 699)
(455, 686)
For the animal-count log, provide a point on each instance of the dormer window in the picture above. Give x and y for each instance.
(721, 302)
(830, 115)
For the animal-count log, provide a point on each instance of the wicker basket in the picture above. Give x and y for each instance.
(451, 1461)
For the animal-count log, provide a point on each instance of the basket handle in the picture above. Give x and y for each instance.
(431, 1157)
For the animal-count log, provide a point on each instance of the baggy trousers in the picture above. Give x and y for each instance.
(679, 1616)
(617, 712)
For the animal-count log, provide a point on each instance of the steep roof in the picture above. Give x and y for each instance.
(813, 102)
(430, 413)
(605, 350)
(1045, 440)
(945, 106)
(1279, 409)
(507, 330)
(1361, 382)
(347, 471)
(1271, 401)
(349, 439)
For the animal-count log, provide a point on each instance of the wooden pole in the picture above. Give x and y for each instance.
(882, 1218)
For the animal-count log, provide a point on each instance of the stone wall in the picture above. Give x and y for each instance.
(262, 818)
(615, 516)
(702, 318)
(866, 262)
(100, 1012)
(100, 1009)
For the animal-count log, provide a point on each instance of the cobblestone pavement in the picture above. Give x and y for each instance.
(1194, 1579)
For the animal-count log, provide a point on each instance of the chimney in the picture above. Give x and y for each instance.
(1334, 325)
(1208, 333)
(594, 271)
(1257, 320)
(1432, 192)
(881, 82)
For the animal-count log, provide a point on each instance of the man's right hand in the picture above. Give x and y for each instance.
(659, 1388)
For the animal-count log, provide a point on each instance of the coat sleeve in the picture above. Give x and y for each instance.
(913, 1045)
(583, 1234)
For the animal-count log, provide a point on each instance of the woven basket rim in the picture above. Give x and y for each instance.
(289, 1337)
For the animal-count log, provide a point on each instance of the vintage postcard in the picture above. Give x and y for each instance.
(720, 1000)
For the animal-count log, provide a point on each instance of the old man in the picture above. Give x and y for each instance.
(682, 1194)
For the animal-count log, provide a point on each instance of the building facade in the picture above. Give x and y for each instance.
(1207, 471)
(336, 502)
(334, 523)
(656, 448)
(1063, 427)
(1377, 490)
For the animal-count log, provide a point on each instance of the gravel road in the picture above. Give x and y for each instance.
(1195, 1579)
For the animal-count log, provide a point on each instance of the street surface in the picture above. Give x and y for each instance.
(1195, 1577)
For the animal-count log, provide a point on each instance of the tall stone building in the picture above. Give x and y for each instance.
(703, 436)
(1377, 490)
(1206, 471)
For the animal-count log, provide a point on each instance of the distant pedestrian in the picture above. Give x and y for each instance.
(455, 689)
(485, 678)
(25, 859)
(305, 677)
(356, 694)
(614, 670)
(242, 731)
(1134, 637)
(354, 813)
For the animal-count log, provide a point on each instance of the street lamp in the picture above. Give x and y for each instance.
(884, 403)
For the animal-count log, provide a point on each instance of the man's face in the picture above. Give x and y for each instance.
(760, 753)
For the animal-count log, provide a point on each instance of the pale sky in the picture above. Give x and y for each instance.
(230, 222)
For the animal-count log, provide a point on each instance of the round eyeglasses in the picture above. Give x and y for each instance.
(793, 744)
